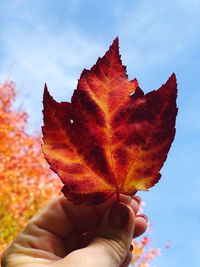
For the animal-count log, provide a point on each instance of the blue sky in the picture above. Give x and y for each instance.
(52, 41)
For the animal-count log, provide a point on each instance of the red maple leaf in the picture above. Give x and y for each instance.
(112, 138)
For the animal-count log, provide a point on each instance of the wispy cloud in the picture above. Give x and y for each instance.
(36, 53)
(157, 31)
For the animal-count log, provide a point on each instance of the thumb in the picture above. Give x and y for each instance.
(111, 246)
(114, 236)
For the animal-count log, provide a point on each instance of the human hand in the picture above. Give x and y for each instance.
(66, 235)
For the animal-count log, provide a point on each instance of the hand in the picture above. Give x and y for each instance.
(66, 235)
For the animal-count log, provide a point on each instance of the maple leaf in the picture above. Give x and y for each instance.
(112, 138)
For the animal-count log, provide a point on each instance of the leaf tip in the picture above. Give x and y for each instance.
(115, 45)
(170, 86)
(46, 93)
(173, 79)
(173, 76)
(45, 87)
(172, 83)
(116, 41)
(47, 98)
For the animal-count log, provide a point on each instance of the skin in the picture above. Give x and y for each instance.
(66, 235)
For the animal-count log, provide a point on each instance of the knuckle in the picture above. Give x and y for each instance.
(117, 249)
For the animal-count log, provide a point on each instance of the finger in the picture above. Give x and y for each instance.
(79, 238)
(133, 201)
(112, 243)
(141, 224)
(52, 218)
(60, 217)
(85, 218)
(127, 260)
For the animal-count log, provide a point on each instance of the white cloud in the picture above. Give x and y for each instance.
(157, 32)
(33, 57)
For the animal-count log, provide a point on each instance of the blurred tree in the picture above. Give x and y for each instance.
(142, 253)
(26, 181)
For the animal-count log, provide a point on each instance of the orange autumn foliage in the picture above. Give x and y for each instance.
(26, 182)
(143, 255)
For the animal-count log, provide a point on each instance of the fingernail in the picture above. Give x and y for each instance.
(131, 247)
(138, 199)
(119, 215)
(143, 216)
